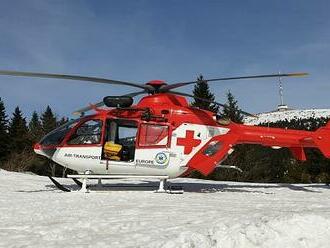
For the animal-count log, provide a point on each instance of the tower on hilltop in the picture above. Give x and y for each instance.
(281, 106)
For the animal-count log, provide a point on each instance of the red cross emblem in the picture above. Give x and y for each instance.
(188, 142)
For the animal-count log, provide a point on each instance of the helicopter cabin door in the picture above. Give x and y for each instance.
(132, 148)
(118, 152)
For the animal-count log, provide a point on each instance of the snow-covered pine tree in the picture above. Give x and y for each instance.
(4, 137)
(202, 90)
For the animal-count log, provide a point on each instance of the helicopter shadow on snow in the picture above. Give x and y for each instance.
(246, 187)
(198, 187)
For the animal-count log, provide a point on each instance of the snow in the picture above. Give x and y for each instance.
(288, 114)
(208, 214)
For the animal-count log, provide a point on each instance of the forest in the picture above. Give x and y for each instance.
(17, 137)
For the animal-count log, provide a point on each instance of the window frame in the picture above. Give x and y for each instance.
(74, 130)
(108, 119)
(74, 122)
(167, 145)
(129, 127)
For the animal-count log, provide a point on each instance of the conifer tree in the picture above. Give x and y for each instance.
(35, 128)
(202, 90)
(18, 132)
(232, 112)
(49, 123)
(48, 120)
(4, 137)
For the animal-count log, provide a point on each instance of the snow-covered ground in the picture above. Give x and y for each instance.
(209, 214)
(289, 115)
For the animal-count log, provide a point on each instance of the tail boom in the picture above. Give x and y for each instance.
(295, 140)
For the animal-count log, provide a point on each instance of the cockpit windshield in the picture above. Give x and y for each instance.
(56, 136)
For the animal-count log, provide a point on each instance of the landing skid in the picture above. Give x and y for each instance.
(58, 185)
(85, 188)
(61, 187)
(88, 175)
(77, 182)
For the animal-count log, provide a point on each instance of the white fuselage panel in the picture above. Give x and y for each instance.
(171, 161)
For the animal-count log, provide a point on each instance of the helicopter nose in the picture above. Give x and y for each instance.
(37, 146)
(38, 149)
(44, 151)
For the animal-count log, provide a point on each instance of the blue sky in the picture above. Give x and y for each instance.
(171, 40)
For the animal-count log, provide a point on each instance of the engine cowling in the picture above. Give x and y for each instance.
(118, 101)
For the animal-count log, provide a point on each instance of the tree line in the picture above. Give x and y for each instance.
(17, 137)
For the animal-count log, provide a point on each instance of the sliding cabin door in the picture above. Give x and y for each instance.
(119, 146)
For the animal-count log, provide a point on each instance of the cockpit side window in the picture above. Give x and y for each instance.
(87, 133)
(56, 136)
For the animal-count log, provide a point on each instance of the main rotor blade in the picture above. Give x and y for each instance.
(177, 85)
(100, 104)
(134, 94)
(209, 101)
(72, 77)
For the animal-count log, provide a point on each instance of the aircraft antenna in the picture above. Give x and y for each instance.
(281, 106)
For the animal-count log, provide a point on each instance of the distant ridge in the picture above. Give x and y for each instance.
(289, 115)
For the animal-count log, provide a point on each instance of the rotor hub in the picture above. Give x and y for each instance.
(156, 85)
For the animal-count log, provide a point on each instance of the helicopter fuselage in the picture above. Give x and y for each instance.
(163, 135)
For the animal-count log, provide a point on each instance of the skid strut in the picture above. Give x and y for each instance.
(162, 185)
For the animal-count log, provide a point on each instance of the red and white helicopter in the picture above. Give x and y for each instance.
(161, 136)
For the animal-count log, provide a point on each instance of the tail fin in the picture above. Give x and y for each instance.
(322, 139)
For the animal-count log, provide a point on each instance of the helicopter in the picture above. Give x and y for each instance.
(161, 136)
